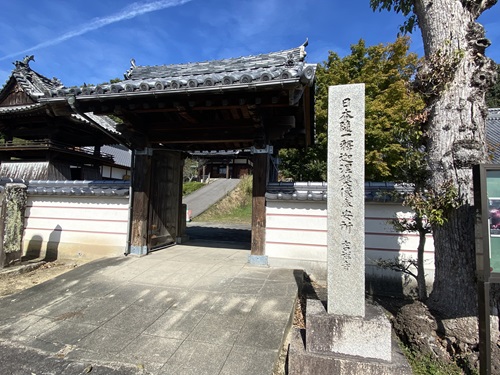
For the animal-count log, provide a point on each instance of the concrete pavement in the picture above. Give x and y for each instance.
(193, 309)
(203, 198)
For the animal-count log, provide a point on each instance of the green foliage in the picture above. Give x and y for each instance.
(493, 94)
(236, 207)
(116, 119)
(434, 205)
(191, 168)
(191, 186)
(404, 7)
(428, 365)
(437, 72)
(392, 133)
(305, 165)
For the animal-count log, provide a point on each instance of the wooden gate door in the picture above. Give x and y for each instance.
(165, 198)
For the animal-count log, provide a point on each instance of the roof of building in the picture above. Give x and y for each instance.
(33, 84)
(493, 134)
(20, 96)
(287, 65)
(121, 154)
(104, 122)
(22, 108)
(317, 191)
(110, 188)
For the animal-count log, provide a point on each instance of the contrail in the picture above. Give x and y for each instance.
(131, 11)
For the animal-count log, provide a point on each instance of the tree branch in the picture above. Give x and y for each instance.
(477, 7)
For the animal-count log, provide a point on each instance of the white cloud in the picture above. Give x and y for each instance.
(129, 12)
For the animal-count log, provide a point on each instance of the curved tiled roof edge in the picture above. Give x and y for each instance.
(494, 113)
(34, 84)
(103, 121)
(282, 66)
(109, 188)
(317, 191)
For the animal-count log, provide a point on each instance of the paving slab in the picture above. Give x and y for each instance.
(197, 309)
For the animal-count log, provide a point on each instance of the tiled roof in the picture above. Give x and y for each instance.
(287, 65)
(34, 85)
(38, 86)
(317, 191)
(121, 155)
(103, 121)
(493, 134)
(84, 188)
(21, 108)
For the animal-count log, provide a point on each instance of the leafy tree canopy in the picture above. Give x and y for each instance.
(392, 137)
(404, 7)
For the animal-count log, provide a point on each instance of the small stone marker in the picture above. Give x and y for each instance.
(346, 200)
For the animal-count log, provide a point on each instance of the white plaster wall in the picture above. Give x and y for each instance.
(113, 172)
(77, 226)
(296, 236)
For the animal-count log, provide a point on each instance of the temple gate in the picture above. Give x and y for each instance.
(262, 103)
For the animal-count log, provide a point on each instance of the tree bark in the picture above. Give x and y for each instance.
(455, 77)
(421, 282)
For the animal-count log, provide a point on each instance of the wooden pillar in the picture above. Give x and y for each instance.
(141, 186)
(260, 174)
(181, 217)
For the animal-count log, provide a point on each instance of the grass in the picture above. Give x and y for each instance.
(189, 187)
(236, 207)
(427, 365)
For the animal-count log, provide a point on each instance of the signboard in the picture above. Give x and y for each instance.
(487, 203)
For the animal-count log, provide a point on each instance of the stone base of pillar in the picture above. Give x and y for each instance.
(138, 250)
(258, 260)
(182, 239)
(334, 344)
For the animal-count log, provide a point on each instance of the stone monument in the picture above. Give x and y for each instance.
(346, 200)
(350, 336)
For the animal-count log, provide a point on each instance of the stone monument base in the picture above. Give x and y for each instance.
(335, 344)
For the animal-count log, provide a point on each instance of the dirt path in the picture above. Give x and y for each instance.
(17, 279)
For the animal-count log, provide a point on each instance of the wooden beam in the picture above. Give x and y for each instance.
(186, 116)
(245, 112)
(230, 124)
(260, 173)
(167, 141)
(307, 108)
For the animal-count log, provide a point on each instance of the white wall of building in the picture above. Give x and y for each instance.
(114, 172)
(296, 236)
(76, 226)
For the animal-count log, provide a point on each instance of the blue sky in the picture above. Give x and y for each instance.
(93, 41)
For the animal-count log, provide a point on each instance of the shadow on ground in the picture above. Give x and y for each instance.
(238, 235)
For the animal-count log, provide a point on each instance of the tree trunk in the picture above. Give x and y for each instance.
(421, 284)
(455, 78)
(454, 293)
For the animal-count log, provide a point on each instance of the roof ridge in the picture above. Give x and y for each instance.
(301, 48)
(288, 55)
(493, 113)
(33, 83)
(285, 66)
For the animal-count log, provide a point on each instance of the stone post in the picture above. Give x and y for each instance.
(346, 200)
(351, 336)
(12, 224)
